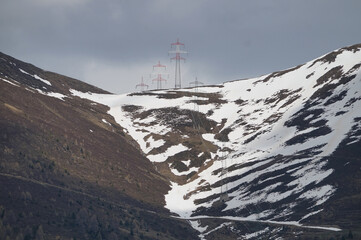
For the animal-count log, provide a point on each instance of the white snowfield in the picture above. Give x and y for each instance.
(259, 114)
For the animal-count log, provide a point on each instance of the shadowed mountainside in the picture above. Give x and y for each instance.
(67, 169)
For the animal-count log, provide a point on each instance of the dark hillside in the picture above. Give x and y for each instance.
(68, 170)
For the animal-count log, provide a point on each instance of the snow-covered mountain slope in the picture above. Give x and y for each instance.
(278, 150)
(259, 149)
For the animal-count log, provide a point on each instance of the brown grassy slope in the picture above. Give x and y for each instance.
(48, 131)
(58, 160)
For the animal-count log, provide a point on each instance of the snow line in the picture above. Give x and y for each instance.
(242, 219)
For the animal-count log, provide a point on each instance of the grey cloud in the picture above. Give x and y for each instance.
(228, 39)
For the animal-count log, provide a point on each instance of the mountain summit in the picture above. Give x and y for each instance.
(272, 157)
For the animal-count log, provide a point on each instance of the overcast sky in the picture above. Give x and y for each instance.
(113, 43)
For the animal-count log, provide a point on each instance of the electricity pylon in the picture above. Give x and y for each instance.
(142, 85)
(177, 49)
(159, 79)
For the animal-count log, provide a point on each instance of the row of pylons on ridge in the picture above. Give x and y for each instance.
(177, 48)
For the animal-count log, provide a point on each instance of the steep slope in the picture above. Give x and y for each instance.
(68, 170)
(274, 156)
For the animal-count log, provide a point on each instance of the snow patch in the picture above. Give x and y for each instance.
(320, 193)
(106, 122)
(49, 94)
(36, 77)
(197, 226)
(256, 234)
(171, 151)
(153, 144)
(187, 162)
(176, 172)
(10, 82)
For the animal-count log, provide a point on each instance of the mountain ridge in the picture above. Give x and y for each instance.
(326, 87)
(276, 156)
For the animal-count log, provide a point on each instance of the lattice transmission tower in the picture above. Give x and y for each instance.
(224, 186)
(142, 85)
(177, 48)
(195, 84)
(159, 78)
